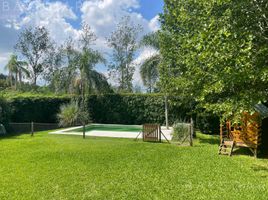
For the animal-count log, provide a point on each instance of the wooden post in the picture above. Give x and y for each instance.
(159, 132)
(191, 131)
(166, 111)
(84, 130)
(32, 129)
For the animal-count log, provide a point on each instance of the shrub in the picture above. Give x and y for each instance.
(180, 131)
(68, 114)
(208, 123)
(36, 109)
(5, 112)
(71, 114)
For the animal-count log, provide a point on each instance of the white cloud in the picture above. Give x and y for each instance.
(53, 16)
(101, 15)
(154, 23)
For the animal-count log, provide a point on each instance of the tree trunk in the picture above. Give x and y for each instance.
(166, 111)
(11, 79)
(20, 77)
(35, 79)
(84, 130)
(16, 80)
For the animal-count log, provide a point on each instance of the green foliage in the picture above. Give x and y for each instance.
(108, 108)
(151, 40)
(123, 42)
(181, 131)
(72, 114)
(132, 109)
(68, 115)
(36, 109)
(5, 112)
(208, 123)
(16, 70)
(149, 69)
(75, 73)
(30, 92)
(67, 167)
(215, 53)
(35, 46)
(149, 72)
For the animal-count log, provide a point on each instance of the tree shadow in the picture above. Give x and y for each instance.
(213, 140)
(12, 136)
(261, 169)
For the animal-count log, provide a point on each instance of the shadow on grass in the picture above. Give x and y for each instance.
(242, 151)
(246, 151)
(10, 136)
(261, 169)
(211, 140)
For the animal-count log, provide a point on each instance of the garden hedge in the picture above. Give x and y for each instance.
(5, 112)
(36, 109)
(108, 108)
(132, 109)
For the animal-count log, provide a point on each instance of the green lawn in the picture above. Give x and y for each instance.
(68, 167)
(105, 127)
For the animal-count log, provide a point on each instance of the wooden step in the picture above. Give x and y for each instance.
(226, 147)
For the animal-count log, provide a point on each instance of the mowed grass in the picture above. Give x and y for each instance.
(68, 167)
(102, 127)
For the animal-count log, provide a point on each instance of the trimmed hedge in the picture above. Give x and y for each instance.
(5, 112)
(110, 109)
(36, 109)
(131, 109)
(113, 108)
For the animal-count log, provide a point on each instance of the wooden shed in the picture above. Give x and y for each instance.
(251, 132)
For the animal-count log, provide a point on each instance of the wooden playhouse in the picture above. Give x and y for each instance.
(251, 132)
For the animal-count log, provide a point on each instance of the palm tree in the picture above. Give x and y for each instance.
(16, 70)
(149, 68)
(149, 72)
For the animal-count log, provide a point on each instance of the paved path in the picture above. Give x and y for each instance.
(113, 134)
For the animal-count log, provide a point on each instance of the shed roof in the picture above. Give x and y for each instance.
(262, 109)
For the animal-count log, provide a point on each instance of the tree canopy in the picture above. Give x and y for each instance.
(215, 53)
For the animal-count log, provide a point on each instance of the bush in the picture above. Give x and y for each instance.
(5, 112)
(36, 109)
(132, 109)
(180, 131)
(71, 114)
(208, 123)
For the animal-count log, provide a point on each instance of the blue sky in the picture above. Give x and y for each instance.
(63, 19)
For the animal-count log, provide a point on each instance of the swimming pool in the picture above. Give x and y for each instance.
(108, 127)
(109, 130)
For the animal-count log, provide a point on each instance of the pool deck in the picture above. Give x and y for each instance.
(113, 134)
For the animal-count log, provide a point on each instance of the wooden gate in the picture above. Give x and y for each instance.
(151, 133)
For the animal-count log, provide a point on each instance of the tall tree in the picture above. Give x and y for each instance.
(149, 68)
(67, 78)
(215, 53)
(124, 43)
(87, 60)
(16, 70)
(63, 74)
(35, 45)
